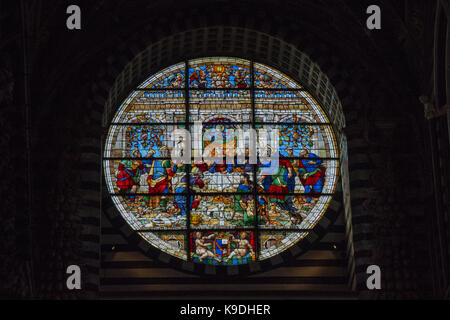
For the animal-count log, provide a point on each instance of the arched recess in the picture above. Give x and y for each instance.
(213, 41)
(437, 114)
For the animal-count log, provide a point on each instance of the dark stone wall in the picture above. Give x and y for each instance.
(379, 76)
(14, 229)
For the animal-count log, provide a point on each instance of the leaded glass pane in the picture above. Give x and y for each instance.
(223, 211)
(219, 72)
(287, 106)
(162, 106)
(269, 78)
(220, 105)
(223, 247)
(173, 243)
(172, 77)
(272, 243)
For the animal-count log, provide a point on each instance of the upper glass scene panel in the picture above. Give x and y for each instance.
(268, 78)
(155, 106)
(169, 78)
(219, 73)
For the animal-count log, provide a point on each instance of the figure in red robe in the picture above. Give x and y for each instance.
(128, 176)
(312, 174)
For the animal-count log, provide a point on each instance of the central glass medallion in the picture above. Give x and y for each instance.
(221, 161)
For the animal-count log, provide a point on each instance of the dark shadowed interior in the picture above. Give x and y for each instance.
(385, 91)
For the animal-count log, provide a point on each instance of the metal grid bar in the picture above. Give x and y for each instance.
(168, 158)
(254, 168)
(221, 89)
(238, 229)
(228, 123)
(188, 166)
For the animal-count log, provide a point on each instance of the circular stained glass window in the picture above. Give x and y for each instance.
(254, 172)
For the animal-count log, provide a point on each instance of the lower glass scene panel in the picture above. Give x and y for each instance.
(223, 211)
(298, 176)
(290, 210)
(274, 242)
(173, 243)
(223, 247)
(153, 212)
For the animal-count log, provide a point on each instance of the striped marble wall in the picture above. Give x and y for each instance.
(320, 272)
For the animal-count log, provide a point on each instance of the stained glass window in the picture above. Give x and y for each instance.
(229, 209)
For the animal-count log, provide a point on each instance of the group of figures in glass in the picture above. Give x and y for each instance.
(213, 208)
(158, 185)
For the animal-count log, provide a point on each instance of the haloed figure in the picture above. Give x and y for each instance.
(312, 174)
(160, 173)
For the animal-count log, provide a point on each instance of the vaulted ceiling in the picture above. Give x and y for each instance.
(398, 55)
